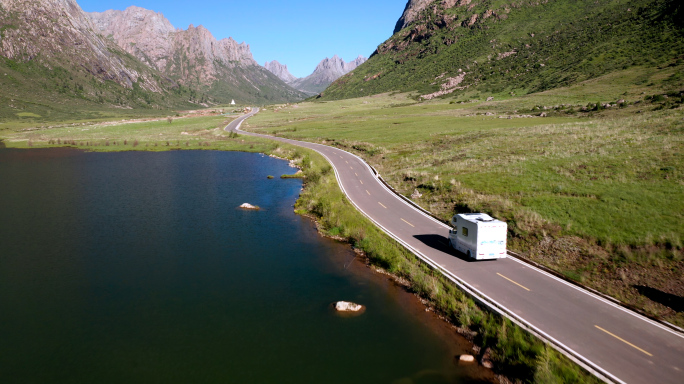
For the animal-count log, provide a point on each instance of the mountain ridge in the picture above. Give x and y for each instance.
(326, 72)
(193, 57)
(75, 40)
(447, 48)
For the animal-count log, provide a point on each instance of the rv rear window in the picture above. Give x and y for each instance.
(464, 230)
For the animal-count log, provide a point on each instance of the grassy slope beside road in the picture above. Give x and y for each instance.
(595, 195)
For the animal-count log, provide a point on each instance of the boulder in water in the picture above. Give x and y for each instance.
(345, 306)
(466, 359)
(249, 206)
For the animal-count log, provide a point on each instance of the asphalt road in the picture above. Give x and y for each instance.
(616, 344)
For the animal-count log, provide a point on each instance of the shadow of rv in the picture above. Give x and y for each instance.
(441, 243)
(667, 299)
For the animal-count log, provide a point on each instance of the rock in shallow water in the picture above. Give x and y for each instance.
(345, 306)
(467, 359)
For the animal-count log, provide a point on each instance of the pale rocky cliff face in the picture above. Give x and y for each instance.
(413, 8)
(330, 69)
(280, 70)
(188, 55)
(59, 32)
(142, 33)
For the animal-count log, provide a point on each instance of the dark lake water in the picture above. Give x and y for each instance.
(137, 267)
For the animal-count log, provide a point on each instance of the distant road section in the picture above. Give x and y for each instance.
(612, 342)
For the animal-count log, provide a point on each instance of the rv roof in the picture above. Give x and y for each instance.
(475, 217)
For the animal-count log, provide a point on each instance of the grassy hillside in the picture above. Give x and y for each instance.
(312, 86)
(239, 82)
(593, 192)
(37, 93)
(499, 47)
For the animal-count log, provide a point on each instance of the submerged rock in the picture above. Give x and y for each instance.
(249, 206)
(345, 306)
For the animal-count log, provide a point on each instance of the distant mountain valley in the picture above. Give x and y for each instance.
(327, 71)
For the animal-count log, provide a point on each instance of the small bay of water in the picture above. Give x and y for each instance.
(138, 267)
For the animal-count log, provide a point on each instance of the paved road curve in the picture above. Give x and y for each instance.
(616, 344)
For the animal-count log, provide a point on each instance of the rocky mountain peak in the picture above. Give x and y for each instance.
(280, 70)
(332, 66)
(150, 37)
(143, 33)
(327, 71)
(350, 66)
(413, 8)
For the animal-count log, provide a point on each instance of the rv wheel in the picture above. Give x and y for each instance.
(469, 255)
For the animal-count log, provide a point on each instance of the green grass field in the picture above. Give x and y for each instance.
(204, 132)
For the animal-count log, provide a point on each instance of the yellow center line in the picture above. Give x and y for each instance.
(519, 285)
(408, 223)
(346, 161)
(367, 192)
(361, 181)
(352, 168)
(624, 341)
(357, 175)
(382, 205)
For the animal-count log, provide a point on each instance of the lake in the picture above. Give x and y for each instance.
(138, 267)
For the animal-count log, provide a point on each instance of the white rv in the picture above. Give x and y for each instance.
(479, 236)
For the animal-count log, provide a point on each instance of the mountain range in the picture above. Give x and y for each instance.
(54, 54)
(327, 71)
(222, 68)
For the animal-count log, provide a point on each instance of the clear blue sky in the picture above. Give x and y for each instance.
(299, 33)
